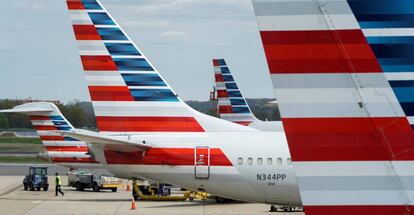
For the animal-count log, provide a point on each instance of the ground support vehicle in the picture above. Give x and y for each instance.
(36, 179)
(82, 180)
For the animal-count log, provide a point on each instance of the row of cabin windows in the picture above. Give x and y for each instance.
(269, 161)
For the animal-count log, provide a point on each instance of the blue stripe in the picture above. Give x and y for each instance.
(63, 128)
(381, 6)
(57, 117)
(111, 34)
(101, 18)
(60, 123)
(387, 24)
(228, 78)
(396, 61)
(224, 70)
(221, 62)
(404, 94)
(159, 95)
(237, 102)
(385, 17)
(402, 83)
(393, 50)
(234, 93)
(91, 5)
(132, 64)
(122, 49)
(400, 68)
(69, 139)
(408, 108)
(390, 40)
(240, 110)
(231, 86)
(143, 80)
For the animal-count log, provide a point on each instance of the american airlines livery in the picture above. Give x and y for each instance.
(66, 151)
(343, 76)
(147, 130)
(231, 104)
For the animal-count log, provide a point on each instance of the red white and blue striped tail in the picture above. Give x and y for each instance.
(46, 119)
(342, 75)
(231, 104)
(127, 92)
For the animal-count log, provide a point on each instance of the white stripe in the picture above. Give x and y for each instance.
(80, 17)
(338, 102)
(354, 168)
(106, 26)
(47, 133)
(306, 22)
(128, 56)
(410, 120)
(63, 143)
(355, 197)
(67, 154)
(399, 76)
(386, 32)
(148, 87)
(223, 102)
(220, 86)
(95, 11)
(42, 122)
(104, 79)
(140, 109)
(236, 117)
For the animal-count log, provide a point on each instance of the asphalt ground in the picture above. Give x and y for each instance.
(14, 200)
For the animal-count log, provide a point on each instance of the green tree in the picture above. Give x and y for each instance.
(4, 122)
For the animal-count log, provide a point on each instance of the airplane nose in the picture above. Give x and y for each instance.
(43, 156)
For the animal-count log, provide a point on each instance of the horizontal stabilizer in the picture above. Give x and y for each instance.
(27, 110)
(107, 142)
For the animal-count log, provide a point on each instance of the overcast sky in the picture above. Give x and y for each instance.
(39, 57)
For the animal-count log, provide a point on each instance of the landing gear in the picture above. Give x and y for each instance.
(273, 208)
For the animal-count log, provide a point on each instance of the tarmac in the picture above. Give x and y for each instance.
(15, 200)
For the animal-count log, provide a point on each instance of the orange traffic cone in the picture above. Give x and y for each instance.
(133, 204)
(128, 188)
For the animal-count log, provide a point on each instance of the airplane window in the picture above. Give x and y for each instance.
(250, 161)
(289, 161)
(279, 161)
(240, 161)
(269, 161)
(259, 161)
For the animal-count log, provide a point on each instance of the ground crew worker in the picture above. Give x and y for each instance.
(58, 182)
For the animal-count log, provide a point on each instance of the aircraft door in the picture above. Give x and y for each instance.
(202, 162)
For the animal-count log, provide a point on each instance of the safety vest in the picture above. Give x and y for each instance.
(58, 180)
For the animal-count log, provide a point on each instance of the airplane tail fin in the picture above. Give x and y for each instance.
(346, 122)
(46, 118)
(231, 104)
(127, 92)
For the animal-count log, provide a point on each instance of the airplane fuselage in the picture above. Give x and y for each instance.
(247, 166)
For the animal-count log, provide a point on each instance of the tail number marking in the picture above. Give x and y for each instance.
(271, 177)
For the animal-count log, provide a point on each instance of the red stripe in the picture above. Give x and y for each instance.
(222, 94)
(72, 160)
(39, 118)
(323, 66)
(244, 123)
(225, 109)
(67, 148)
(165, 156)
(98, 63)
(86, 32)
(110, 93)
(360, 210)
(318, 51)
(313, 37)
(219, 77)
(329, 51)
(75, 5)
(52, 138)
(349, 139)
(45, 128)
(215, 62)
(148, 124)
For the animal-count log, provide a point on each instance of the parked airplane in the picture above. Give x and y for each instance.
(232, 105)
(147, 130)
(66, 151)
(343, 76)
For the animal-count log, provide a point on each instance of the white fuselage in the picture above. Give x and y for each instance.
(247, 166)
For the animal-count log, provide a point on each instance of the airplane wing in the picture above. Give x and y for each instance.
(107, 142)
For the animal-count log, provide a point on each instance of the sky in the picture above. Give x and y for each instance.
(39, 56)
